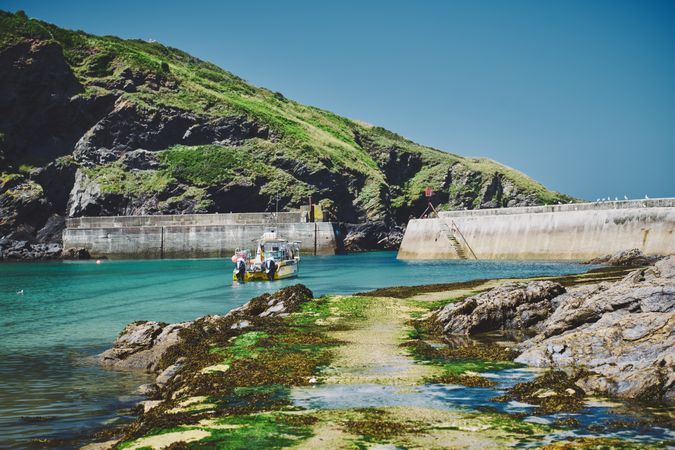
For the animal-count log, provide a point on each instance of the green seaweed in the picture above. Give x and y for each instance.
(257, 431)
(552, 392)
(375, 424)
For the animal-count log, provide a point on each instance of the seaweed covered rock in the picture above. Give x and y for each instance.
(552, 392)
(618, 339)
(279, 303)
(509, 306)
(144, 345)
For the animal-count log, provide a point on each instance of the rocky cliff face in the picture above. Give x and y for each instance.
(102, 126)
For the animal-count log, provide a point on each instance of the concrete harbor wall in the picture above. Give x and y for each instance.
(560, 232)
(193, 236)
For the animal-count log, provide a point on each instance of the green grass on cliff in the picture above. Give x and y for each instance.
(201, 167)
(113, 178)
(210, 164)
(318, 138)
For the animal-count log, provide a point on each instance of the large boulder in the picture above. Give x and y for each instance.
(509, 306)
(141, 345)
(618, 339)
(643, 290)
(623, 354)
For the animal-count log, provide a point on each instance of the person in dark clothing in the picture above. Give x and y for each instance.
(241, 270)
(270, 268)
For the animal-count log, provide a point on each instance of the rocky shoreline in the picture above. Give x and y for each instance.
(19, 250)
(608, 332)
(612, 338)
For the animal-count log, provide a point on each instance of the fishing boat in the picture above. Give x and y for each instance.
(275, 259)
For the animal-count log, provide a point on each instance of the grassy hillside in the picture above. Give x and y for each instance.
(390, 171)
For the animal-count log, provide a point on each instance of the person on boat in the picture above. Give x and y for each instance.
(241, 269)
(270, 268)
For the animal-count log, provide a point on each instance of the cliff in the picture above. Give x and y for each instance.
(97, 125)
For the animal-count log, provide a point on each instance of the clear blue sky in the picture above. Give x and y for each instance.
(579, 95)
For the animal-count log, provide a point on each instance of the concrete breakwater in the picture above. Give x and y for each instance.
(194, 235)
(561, 232)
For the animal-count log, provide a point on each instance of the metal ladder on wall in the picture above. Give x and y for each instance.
(450, 235)
(459, 248)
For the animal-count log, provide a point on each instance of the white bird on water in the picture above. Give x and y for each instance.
(625, 197)
(646, 197)
(19, 292)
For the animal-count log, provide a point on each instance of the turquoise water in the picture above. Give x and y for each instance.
(70, 311)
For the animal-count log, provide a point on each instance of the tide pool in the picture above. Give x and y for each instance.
(70, 311)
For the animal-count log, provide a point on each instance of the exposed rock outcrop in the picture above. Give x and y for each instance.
(128, 127)
(52, 231)
(622, 335)
(142, 345)
(643, 290)
(615, 338)
(623, 354)
(23, 208)
(12, 250)
(626, 258)
(509, 306)
(41, 115)
(372, 236)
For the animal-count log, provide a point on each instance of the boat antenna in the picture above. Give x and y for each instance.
(276, 214)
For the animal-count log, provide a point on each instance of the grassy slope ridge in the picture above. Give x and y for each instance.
(318, 138)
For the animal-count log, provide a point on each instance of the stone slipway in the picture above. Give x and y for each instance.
(561, 232)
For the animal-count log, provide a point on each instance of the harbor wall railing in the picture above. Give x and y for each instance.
(193, 235)
(576, 231)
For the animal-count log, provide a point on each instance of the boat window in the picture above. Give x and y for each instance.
(278, 252)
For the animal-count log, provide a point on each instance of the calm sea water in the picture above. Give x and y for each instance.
(50, 384)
